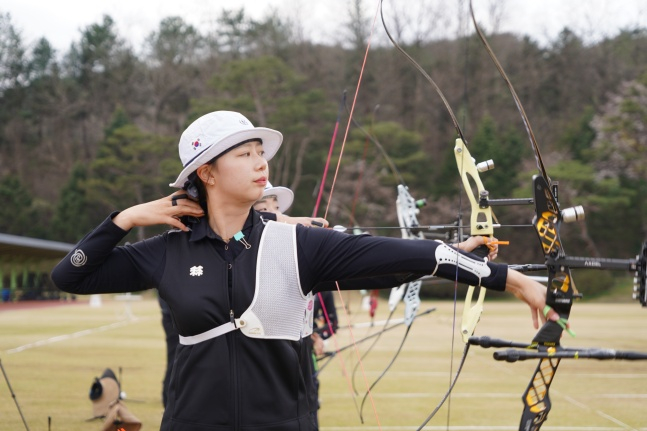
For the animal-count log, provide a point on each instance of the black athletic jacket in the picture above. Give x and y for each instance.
(233, 382)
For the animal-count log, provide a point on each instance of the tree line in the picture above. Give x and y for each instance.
(95, 129)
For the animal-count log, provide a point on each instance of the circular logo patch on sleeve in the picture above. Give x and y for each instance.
(78, 258)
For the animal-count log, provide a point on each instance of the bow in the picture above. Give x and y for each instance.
(481, 219)
(561, 290)
(407, 209)
(481, 224)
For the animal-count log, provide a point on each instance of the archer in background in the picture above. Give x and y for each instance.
(325, 318)
(277, 200)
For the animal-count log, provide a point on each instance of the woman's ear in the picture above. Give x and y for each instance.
(204, 173)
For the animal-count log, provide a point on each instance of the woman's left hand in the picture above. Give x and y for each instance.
(473, 242)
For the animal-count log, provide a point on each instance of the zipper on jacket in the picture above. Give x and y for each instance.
(234, 367)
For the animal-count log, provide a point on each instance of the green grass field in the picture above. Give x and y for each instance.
(51, 356)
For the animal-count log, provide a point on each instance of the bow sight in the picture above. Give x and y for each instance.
(546, 232)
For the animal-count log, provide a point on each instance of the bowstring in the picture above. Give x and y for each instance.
(461, 27)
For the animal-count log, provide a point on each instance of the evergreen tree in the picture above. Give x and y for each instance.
(73, 216)
(16, 212)
(506, 149)
(127, 170)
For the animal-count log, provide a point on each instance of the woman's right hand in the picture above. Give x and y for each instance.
(533, 294)
(166, 210)
(317, 344)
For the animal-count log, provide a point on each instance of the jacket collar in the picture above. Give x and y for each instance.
(201, 229)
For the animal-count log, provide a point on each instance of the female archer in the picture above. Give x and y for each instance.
(240, 287)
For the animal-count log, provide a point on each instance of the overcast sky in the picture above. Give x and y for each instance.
(321, 20)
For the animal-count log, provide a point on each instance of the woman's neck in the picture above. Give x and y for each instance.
(227, 221)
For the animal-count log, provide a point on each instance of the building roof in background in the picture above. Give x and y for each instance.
(14, 247)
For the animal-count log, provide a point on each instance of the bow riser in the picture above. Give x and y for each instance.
(561, 290)
(559, 296)
(480, 224)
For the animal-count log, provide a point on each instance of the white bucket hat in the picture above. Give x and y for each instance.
(284, 196)
(214, 133)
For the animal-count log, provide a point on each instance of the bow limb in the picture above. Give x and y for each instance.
(561, 290)
(517, 101)
(400, 322)
(379, 146)
(422, 71)
(365, 354)
(410, 311)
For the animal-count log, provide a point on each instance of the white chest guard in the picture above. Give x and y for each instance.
(279, 309)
